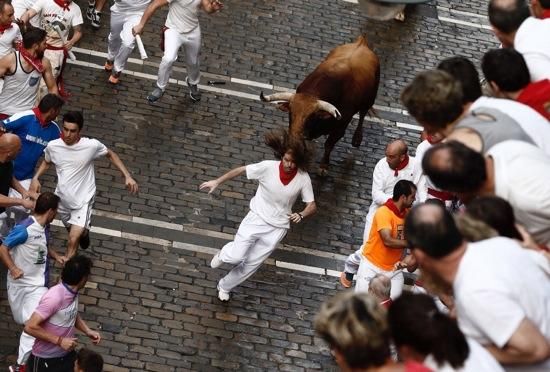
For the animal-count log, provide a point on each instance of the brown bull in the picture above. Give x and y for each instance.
(345, 83)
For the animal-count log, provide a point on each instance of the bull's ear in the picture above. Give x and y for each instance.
(283, 106)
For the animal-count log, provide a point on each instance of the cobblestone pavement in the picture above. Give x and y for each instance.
(152, 292)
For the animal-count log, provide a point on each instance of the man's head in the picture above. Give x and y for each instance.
(396, 152)
(463, 70)
(76, 271)
(506, 71)
(34, 41)
(380, 287)
(505, 17)
(432, 234)
(10, 144)
(354, 325)
(539, 7)
(434, 99)
(72, 125)
(6, 13)
(404, 193)
(47, 204)
(50, 106)
(454, 167)
(88, 361)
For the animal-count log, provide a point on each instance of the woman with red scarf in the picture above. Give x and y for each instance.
(267, 222)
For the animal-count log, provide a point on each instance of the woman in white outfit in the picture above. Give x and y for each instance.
(280, 183)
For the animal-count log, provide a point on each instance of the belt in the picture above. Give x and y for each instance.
(443, 195)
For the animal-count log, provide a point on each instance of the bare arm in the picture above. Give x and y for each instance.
(526, 346)
(77, 35)
(213, 184)
(151, 9)
(48, 77)
(56, 256)
(7, 64)
(6, 201)
(5, 257)
(25, 18)
(81, 325)
(34, 328)
(35, 184)
(211, 6)
(309, 210)
(130, 183)
(390, 242)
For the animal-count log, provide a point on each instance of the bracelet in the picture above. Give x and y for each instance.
(59, 339)
(301, 216)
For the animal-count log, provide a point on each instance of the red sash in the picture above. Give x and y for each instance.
(441, 195)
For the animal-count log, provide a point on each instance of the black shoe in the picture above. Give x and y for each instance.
(85, 240)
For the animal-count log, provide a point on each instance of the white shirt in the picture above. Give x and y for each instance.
(7, 38)
(533, 123)
(479, 360)
(497, 285)
(531, 41)
(183, 15)
(130, 6)
(421, 181)
(273, 201)
(522, 177)
(52, 14)
(75, 169)
(383, 182)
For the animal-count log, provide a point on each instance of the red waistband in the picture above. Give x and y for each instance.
(51, 47)
(443, 195)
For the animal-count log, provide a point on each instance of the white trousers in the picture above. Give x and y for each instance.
(23, 301)
(253, 243)
(121, 41)
(367, 271)
(56, 58)
(191, 43)
(352, 262)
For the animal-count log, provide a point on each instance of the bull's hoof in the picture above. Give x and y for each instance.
(356, 141)
(323, 171)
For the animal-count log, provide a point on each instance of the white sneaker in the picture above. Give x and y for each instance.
(223, 295)
(216, 262)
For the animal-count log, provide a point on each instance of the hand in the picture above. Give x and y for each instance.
(69, 45)
(35, 186)
(131, 185)
(210, 185)
(216, 5)
(295, 217)
(94, 336)
(68, 343)
(16, 272)
(137, 29)
(60, 260)
(27, 203)
(527, 240)
(30, 195)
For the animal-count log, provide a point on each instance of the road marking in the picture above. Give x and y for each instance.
(464, 23)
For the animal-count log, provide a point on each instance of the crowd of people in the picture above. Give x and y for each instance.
(469, 215)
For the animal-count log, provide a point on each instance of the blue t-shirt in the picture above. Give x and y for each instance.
(34, 139)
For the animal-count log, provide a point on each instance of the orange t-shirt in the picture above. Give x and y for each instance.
(374, 249)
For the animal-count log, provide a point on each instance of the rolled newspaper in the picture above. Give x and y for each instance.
(64, 41)
(141, 48)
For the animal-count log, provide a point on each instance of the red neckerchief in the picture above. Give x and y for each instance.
(33, 61)
(431, 140)
(5, 28)
(402, 165)
(387, 303)
(62, 4)
(40, 118)
(546, 14)
(392, 207)
(284, 176)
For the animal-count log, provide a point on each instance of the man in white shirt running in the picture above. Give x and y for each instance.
(73, 157)
(10, 34)
(181, 28)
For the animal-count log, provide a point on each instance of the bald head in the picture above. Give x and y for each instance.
(396, 151)
(9, 147)
(506, 16)
(380, 287)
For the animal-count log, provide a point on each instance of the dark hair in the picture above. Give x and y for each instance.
(463, 70)
(508, 16)
(506, 67)
(89, 361)
(433, 98)
(282, 142)
(416, 322)
(32, 36)
(545, 4)
(76, 269)
(403, 187)
(432, 229)
(454, 167)
(74, 117)
(46, 201)
(3, 4)
(50, 101)
(495, 212)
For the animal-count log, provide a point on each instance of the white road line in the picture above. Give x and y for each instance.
(465, 23)
(460, 12)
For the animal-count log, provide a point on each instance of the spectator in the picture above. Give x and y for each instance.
(513, 170)
(424, 334)
(514, 27)
(10, 35)
(380, 288)
(88, 361)
(386, 243)
(508, 77)
(496, 304)
(395, 166)
(54, 321)
(540, 8)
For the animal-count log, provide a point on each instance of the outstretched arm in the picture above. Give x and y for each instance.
(35, 184)
(213, 184)
(151, 9)
(211, 6)
(130, 183)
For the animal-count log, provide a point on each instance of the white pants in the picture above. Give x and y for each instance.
(367, 271)
(191, 43)
(253, 243)
(19, 212)
(23, 301)
(56, 58)
(121, 41)
(352, 262)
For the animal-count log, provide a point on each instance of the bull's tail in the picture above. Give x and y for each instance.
(362, 40)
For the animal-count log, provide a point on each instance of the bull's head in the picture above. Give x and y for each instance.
(301, 107)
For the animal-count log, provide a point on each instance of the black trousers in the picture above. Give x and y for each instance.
(61, 364)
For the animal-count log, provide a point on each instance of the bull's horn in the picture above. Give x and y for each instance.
(330, 108)
(282, 96)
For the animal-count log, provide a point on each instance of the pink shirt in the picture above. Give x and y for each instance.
(59, 308)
